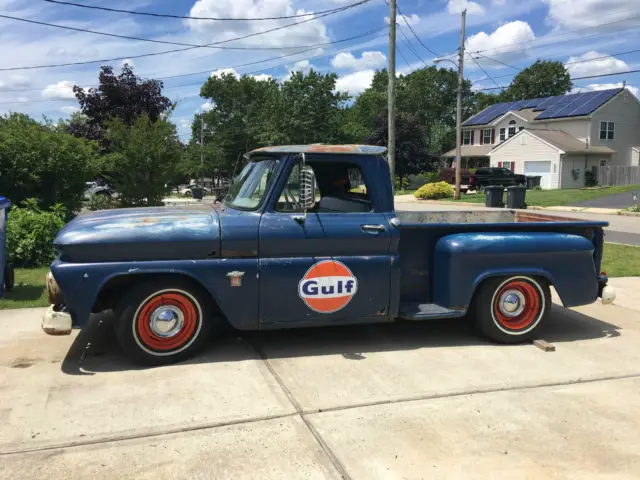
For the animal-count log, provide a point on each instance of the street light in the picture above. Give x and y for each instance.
(458, 67)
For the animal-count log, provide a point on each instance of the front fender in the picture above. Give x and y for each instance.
(463, 261)
(82, 282)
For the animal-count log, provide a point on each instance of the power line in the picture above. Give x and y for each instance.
(414, 32)
(166, 52)
(497, 61)
(203, 72)
(186, 17)
(404, 59)
(584, 60)
(485, 72)
(165, 42)
(575, 78)
(413, 50)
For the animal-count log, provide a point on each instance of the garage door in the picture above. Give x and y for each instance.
(540, 169)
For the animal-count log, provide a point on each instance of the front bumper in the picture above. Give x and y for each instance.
(606, 293)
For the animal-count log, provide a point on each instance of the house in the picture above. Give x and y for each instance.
(557, 138)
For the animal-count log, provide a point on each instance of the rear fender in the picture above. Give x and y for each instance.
(463, 261)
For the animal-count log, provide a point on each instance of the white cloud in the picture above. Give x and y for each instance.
(301, 66)
(605, 86)
(411, 19)
(355, 83)
(498, 2)
(128, 61)
(184, 123)
(69, 109)
(263, 77)
(15, 82)
(457, 6)
(308, 32)
(572, 14)
(59, 91)
(594, 63)
(206, 106)
(347, 61)
(504, 41)
(225, 71)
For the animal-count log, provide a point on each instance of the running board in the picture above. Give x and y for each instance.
(426, 311)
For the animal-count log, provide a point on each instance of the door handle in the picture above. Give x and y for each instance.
(374, 229)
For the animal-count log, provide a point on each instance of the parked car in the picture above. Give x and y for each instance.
(294, 246)
(187, 190)
(495, 176)
(97, 188)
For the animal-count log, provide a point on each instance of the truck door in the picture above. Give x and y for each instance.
(332, 266)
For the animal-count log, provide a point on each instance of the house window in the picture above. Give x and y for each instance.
(466, 137)
(503, 134)
(520, 128)
(486, 136)
(606, 130)
(512, 128)
(603, 163)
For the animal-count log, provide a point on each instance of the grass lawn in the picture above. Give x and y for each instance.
(553, 198)
(28, 291)
(621, 260)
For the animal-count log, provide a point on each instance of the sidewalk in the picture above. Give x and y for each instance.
(463, 204)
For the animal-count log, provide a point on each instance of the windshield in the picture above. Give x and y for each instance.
(248, 190)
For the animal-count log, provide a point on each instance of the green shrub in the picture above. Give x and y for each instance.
(590, 179)
(400, 183)
(431, 177)
(434, 191)
(102, 202)
(30, 233)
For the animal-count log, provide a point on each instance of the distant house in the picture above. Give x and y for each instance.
(558, 138)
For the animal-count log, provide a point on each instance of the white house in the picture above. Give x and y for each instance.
(558, 138)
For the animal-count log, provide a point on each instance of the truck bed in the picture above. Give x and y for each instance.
(421, 231)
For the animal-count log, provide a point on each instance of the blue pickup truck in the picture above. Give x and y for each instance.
(308, 236)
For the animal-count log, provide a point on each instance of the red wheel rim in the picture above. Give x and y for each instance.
(529, 295)
(190, 316)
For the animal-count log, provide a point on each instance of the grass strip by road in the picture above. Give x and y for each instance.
(556, 198)
(29, 291)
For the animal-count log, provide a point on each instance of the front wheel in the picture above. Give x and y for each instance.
(163, 321)
(511, 309)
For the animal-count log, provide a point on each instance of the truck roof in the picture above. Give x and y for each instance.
(322, 148)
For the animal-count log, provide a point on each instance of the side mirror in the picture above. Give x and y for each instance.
(307, 188)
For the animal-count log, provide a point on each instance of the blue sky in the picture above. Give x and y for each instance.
(504, 32)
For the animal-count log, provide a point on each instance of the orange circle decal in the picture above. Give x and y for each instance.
(328, 286)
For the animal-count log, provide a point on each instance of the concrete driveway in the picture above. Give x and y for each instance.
(408, 400)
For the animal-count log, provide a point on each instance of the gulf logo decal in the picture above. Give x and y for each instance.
(328, 286)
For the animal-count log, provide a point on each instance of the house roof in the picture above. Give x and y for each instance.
(471, 151)
(562, 141)
(546, 108)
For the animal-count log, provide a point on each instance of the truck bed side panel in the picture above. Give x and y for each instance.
(463, 261)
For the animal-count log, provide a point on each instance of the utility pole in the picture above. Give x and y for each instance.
(391, 94)
(459, 106)
(202, 149)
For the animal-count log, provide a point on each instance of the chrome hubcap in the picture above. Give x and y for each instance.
(511, 303)
(166, 321)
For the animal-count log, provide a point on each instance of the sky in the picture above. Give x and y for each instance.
(591, 37)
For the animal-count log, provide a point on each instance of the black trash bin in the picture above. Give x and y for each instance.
(516, 197)
(493, 196)
(533, 182)
(197, 193)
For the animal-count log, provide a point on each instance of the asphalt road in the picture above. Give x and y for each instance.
(618, 201)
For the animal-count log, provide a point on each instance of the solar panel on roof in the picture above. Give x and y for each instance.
(593, 102)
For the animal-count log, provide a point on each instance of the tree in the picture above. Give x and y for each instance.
(411, 148)
(39, 161)
(542, 79)
(125, 97)
(144, 159)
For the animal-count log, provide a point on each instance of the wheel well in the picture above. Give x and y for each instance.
(112, 291)
(541, 279)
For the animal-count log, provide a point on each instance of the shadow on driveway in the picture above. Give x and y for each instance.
(95, 349)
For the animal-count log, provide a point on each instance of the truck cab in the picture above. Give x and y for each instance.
(308, 236)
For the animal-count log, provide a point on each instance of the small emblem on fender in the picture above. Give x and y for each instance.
(328, 286)
(235, 278)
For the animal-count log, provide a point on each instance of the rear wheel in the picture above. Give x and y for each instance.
(511, 309)
(163, 321)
